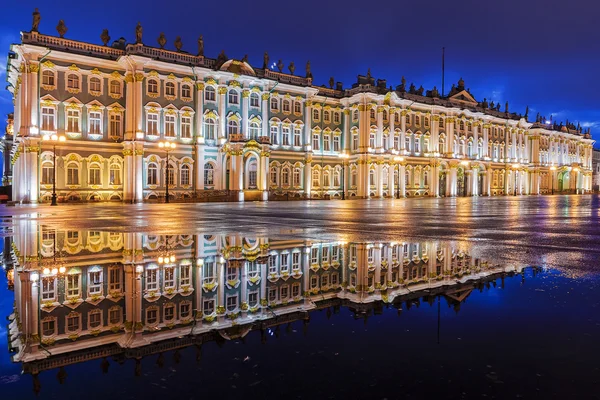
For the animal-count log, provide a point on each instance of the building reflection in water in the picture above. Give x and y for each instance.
(82, 295)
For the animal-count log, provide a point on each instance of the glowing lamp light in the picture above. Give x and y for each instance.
(46, 137)
(553, 168)
(398, 159)
(464, 162)
(172, 258)
(160, 260)
(35, 277)
(139, 269)
(515, 166)
(576, 169)
(46, 271)
(54, 137)
(62, 139)
(54, 271)
(62, 270)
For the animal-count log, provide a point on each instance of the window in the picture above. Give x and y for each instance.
(295, 290)
(48, 78)
(95, 121)
(152, 279)
(407, 143)
(114, 315)
(253, 299)
(274, 104)
(407, 119)
(296, 177)
(274, 134)
(95, 319)
(48, 118)
(285, 135)
(152, 128)
(372, 113)
(186, 92)
(115, 88)
(286, 106)
(72, 174)
(210, 94)
(73, 82)
(232, 303)
(185, 175)
(336, 117)
(95, 84)
(254, 100)
(186, 127)
(272, 294)
(385, 115)
(354, 141)
(316, 141)
(208, 307)
(234, 97)
(252, 175)
(372, 140)
(209, 175)
(73, 320)
(47, 173)
(232, 127)
(94, 175)
(171, 175)
(315, 114)
(295, 261)
(316, 181)
(273, 176)
(170, 125)
(185, 275)
(152, 178)
(48, 327)
(169, 277)
(285, 177)
(336, 178)
(185, 309)
(115, 278)
(326, 116)
(297, 107)
(73, 281)
(254, 130)
(48, 288)
(297, 136)
(95, 282)
(396, 118)
(417, 144)
(285, 292)
(417, 120)
(73, 121)
(152, 86)
(152, 315)
(115, 125)
(326, 142)
(210, 128)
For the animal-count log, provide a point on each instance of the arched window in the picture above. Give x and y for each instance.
(326, 178)
(407, 178)
(152, 86)
(425, 145)
(407, 143)
(210, 127)
(470, 149)
(209, 175)
(115, 88)
(47, 173)
(94, 175)
(274, 104)
(254, 100)
(355, 115)
(296, 177)
(316, 179)
(353, 178)
(462, 125)
(186, 91)
(427, 122)
(210, 94)
(72, 173)
(232, 127)
(372, 139)
(73, 82)
(95, 123)
(285, 135)
(274, 134)
(417, 120)
(170, 89)
(152, 178)
(285, 177)
(48, 78)
(252, 172)
(372, 113)
(326, 116)
(316, 114)
(73, 117)
(254, 130)
(417, 144)
(286, 106)
(336, 178)
(372, 177)
(184, 177)
(170, 125)
(234, 97)
(441, 146)
(273, 176)
(114, 174)
(171, 174)
(95, 85)
(152, 124)
(385, 115)
(417, 177)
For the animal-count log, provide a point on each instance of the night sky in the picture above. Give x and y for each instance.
(544, 54)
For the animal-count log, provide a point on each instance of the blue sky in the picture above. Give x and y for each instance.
(544, 54)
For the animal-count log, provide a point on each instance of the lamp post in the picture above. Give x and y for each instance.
(54, 138)
(398, 160)
(553, 169)
(344, 157)
(168, 146)
(515, 168)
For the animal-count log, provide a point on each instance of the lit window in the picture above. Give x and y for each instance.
(186, 92)
(95, 84)
(48, 288)
(185, 175)
(209, 175)
(234, 97)
(73, 285)
(153, 86)
(94, 175)
(209, 93)
(152, 122)
(73, 82)
(48, 78)
(72, 174)
(115, 88)
(115, 174)
(73, 121)
(115, 125)
(48, 118)
(152, 178)
(169, 125)
(95, 121)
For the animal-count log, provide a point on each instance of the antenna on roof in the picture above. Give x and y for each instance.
(443, 56)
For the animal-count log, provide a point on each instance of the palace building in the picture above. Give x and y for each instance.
(247, 133)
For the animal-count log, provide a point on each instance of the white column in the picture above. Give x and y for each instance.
(379, 138)
(245, 103)
(222, 117)
(307, 125)
(402, 179)
(265, 114)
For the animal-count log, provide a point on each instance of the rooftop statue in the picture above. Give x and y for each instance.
(162, 40)
(178, 43)
(201, 46)
(138, 33)
(292, 68)
(461, 84)
(308, 73)
(369, 73)
(403, 85)
(412, 89)
(506, 107)
(526, 112)
(61, 28)
(280, 65)
(36, 20)
(420, 90)
(221, 58)
(266, 60)
(434, 92)
(245, 58)
(498, 107)
(105, 37)
(484, 103)
(331, 82)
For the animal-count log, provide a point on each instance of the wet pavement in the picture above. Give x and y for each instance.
(454, 298)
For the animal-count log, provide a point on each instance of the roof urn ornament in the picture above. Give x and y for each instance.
(369, 73)
(492, 105)
(280, 65)
(162, 40)
(434, 92)
(221, 58)
(484, 103)
(331, 82)
(292, 68)
(138, 33)
(412, 89)
(105, 37)
(506, 107)
(403, 85)
(61, 28)
(36, 20)
(461, 84)
(420, 90)
(266, 60)
(178, 43)
(201, 45)
(308, 72)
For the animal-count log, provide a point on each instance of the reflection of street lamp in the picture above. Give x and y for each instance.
(515, 167)
(553, 169)
(167, 146)
(344, 157)
(54, 138)
(398, 160)
(167, 257)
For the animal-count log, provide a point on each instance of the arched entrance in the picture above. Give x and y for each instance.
(563, 181)
(442, 181)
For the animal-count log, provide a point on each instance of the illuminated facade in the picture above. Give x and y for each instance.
(100, 292)
(246, 133)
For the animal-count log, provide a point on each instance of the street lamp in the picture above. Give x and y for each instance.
(54, 138)
(553, 169)
(344, 157)
(168, 146)
(515, 167)
(398, 160)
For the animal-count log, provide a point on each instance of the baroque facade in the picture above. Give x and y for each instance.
(82, 295)
(247, 133)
